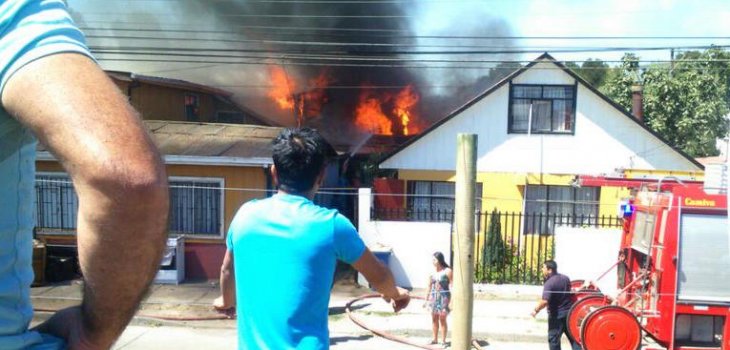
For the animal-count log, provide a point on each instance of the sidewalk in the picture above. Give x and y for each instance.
(501, 318)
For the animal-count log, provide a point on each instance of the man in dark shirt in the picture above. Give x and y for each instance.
(556, 296)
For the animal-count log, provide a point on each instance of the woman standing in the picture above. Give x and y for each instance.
(439, 296)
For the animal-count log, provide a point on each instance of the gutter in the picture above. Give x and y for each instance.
(194, 160)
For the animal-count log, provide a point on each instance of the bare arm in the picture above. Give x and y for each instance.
(382, 279)
(227, 299)
(540, 305)
(74, 109)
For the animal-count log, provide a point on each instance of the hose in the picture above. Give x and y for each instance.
(386, 335)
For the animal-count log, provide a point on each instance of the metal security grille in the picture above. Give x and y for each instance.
(195, 207)
(56, 202)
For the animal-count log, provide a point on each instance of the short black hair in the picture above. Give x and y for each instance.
(551, 265)
(299, 156)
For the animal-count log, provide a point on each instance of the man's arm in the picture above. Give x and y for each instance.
(80, 115)
(227, 300)
(540, 305)
(382, 279)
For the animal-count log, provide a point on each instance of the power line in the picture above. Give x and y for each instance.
(263, 15)
(469, 37)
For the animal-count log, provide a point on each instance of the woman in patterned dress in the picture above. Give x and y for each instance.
(439, 296)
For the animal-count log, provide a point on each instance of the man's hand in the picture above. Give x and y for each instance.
(401, 301)
(67, 324)
(533, 313)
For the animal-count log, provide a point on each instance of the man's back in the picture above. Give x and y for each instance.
(285, 250)
(557, 292)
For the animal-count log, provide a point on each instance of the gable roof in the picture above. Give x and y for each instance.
(543, 58)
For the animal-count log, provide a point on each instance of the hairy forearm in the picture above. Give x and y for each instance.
(385, 284)
(228, 289)
(121, 233)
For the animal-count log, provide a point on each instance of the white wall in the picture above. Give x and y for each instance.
(412, 244)
(586, 253)
(605, 139)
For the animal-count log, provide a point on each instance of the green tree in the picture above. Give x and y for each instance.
(688, 104)
(619, 81)
(685, 101)
(594, 71)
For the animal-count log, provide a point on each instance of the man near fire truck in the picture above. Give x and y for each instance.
(556, 297)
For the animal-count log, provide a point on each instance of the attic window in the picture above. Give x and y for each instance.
(542, 109)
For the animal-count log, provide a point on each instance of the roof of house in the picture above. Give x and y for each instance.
(544, 57)
(212, 139)
(209, 143)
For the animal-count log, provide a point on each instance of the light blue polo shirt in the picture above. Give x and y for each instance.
(285, 250)
(28, 30)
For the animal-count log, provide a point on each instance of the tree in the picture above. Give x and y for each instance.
(495, 256)
(685, 102)
(688, 104)
(619, 81)
(594, 71)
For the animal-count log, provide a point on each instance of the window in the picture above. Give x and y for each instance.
(547, 206)
(56, 202)
(192, 107)
(196, 206)
(543, 109)
(435, 200)
(704, 258)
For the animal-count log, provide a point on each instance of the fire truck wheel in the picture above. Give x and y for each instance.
(611, 328)
(580, 310)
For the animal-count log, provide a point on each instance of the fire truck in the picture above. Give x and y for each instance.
(673, 272)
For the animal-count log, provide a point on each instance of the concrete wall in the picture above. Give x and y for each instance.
(411, 244)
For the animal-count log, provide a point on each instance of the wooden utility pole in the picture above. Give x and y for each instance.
(463, 269)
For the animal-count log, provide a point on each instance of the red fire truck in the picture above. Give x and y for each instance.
(673, 275)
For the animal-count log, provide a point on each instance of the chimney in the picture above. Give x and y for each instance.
(637, 102)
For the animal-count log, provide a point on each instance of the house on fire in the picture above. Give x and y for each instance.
(540, 130)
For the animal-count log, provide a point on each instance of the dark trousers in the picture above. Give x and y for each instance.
(556, 327)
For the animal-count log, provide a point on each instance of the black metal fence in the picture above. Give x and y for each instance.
(510, 247)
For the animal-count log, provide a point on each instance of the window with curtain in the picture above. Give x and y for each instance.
(435, 200)
(544, 109)
(548, 206)
(56, 202)
(196, 206)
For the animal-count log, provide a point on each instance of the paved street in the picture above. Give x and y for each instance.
(501, 318)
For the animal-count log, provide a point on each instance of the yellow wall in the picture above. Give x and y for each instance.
(242, 184)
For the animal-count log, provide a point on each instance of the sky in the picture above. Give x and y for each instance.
(425, 25)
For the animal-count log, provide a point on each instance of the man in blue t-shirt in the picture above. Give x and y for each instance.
(52, 89)
(556, 296)
(284, 249)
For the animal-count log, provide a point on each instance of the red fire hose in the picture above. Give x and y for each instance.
(386, 335)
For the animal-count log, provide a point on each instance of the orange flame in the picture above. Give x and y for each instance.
(369, 115)
(282, 88)
(404, 103)
(378, 114)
